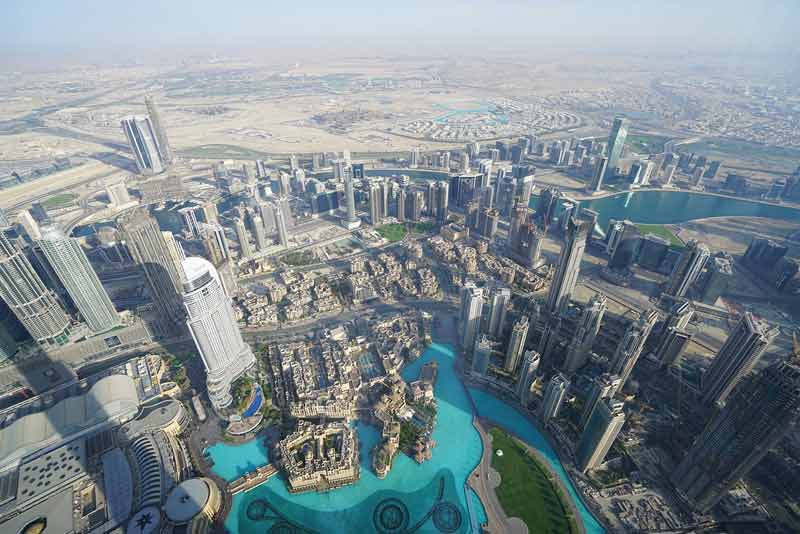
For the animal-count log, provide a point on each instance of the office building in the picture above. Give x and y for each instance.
(603, 387)
(488, 222)
(585, 333)
(215, 243)
(630, 346)
(5, 222)
(414, 159)
(670, 348)
(147, 247)
(118, 196)
(415, 201)
(600, 169)
(470, 316)
(482, 355)
(401, 205)
(176, 253)
(687, 269)
(258, 231)
(164, 149)
(652, 251)
(245, 249)
(616, 142)
(569, 263)
(759, 413)
(745, 345)
(441, 197)
(546, 207)
(601, 430)
(69, 261)
(212, 323)
(516, 344)
(527, 374)
(281, 219)
(34, 305)
(210, 212)
(499, 300)
(375, 203)
(144, 144)
(554, 397)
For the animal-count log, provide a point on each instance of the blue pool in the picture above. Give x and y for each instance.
(429, 497)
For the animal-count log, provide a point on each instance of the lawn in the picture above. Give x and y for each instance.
(61, 200)
(300, 258)
(646, 144)
(526, 490)
(661, 231)
(425, 227)
(392, 232)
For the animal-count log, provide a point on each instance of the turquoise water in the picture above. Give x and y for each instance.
(508, 417)
(232, 461)
(432, 490)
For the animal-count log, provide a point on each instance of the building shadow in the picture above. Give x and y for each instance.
(116, 160)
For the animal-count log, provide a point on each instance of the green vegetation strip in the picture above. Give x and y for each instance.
(526, 490)
(646, 144)
(661, 231)
(59, 201)
(392, 232)
(297, 259)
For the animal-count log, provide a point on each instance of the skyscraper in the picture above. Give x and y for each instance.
(72, 267)
(375, 204)
(498, 304)
(351, 221)
(585, 333)
(616, 142)
(554, 397)
(758, 415)
(148, 248)
(401, 204)
(631, 345)
(600, 167)
(738, 355)
(569, 263)
(516, 344)
(245, 249)
(673, 343)
(158, 127)
(527, 374)
(441, 190)
(482, 355)
(601, 430)
(470, 316)
(280, 224)
(212, 323)
(603, 387)
(687, 269)
(29, 299)
(258, 231)
(144, 144)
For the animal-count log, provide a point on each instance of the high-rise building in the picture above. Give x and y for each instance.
(516, 344)
(600, 169)
(687, 269)
(215, 243)
(759, 413)
(546, 207)
(401, 205)
(747, 342)
(626, 245)
(158, 127)
(441, 190)
(375, 204)
(631, 345)
(210, 212)
(616, 142)
(245, 249)
(212, 323)
(549, 338)
(143, 141)
(670, 348)
(281, 224)
(554, 397)
(5, 222)
(527, 374)
(118, 195)
(259, 232)
(585, 333)
(72, 267)
(148, 248)
(603, 387)
(416, 199)
(29, 299)
(482, 355)
(498, 304)
(470, 316)
(415, 157)
(601, 430)
(569, 264)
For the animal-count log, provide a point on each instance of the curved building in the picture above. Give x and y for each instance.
(213, 326)
(28, 298)
(71, 265)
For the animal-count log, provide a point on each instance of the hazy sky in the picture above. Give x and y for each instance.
(107, 29)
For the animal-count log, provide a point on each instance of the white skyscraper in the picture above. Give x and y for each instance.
(554, 397)
(143, 141)
(351, 221)
(212, 323)
(569, 264)
(687, 269)
(470, 316)
(245, 249)
(631, 345)
(516, 344)
(585, 334)
(498, 302)
(72, 267)
(527, 374)
(601, 430)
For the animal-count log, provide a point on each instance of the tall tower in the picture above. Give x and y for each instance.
(482, 355)
(401, 204)
(527, 374)
(616, 141)
(442, 189)
(144, 144)
(516, 344)
(738, 355)
(601, 430)
(585, 334)
(245, 248)
(161, 134)
(603, 387)
(176, 253)
(351, 221)
(673, 343)
(258, 231)
(212, 323)
(375, 203)
(148, 248)
(631, 345)
(72, 267)
(280, 223)
(600, 168)
(470, 316)
(687, 269)
(569, 263)
(498, 302)
(29, 299)
(554, 397)
(758, 415)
